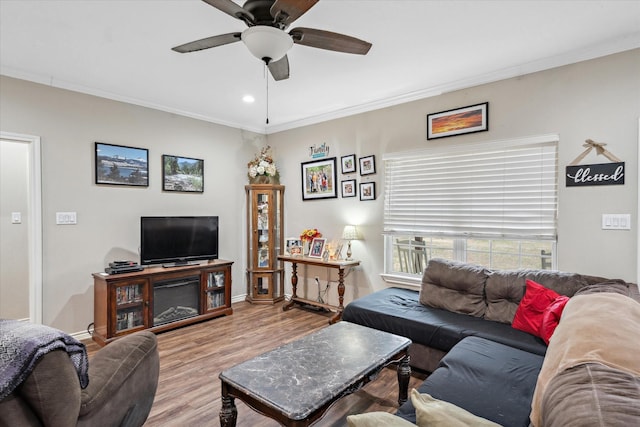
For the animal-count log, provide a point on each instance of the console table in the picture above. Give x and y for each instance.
(340, 265)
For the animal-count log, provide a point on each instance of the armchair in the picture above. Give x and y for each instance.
(123, 378)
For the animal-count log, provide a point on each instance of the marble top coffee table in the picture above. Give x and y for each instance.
(296, 383)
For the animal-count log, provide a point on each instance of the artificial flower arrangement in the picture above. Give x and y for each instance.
(309, 234)
(263, 165)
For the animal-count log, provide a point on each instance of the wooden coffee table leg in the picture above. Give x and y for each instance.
(294, 286)
(229, 412)
(404, 375)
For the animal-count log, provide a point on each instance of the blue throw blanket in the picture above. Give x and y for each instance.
(23, 343)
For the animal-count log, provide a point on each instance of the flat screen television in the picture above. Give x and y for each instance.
(177, 240)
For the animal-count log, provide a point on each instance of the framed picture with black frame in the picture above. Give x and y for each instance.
(367, 191)
(121, 165)
(319, 179)
(348, 163)
(348, 188)
(182, 174)
(471, 119)
(367, 165)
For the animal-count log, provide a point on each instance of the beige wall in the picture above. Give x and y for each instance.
(108, 216)
(14, 248)
(598, 99)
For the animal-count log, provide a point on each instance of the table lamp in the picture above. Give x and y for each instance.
(350, 233)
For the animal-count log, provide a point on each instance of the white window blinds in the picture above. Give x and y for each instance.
(504, 189)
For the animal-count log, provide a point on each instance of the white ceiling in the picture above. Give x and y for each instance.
(122, 50)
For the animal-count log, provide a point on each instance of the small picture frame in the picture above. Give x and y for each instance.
(349, 188)
(348, 163)
(367, 191)
(317, 247)
(337, 252)
(293, 246)
(367, 165)
(182, 174)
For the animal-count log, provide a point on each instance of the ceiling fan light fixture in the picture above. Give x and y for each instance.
(267, 43)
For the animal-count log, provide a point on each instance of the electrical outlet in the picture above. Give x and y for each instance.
(317, 280)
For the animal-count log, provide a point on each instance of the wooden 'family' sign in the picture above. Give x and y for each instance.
(597, 174)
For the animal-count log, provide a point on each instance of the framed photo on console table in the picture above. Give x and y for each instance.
(317, 247)
(182, 174)
(319, 179)
(120, 165)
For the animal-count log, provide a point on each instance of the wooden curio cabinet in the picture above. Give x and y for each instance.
(265, 241)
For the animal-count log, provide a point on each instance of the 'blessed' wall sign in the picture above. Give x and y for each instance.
(600, 174)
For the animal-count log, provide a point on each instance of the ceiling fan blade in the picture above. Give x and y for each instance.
(231, 8)
(208, 42)
(286, 11)
(279, 69)
(329, 40)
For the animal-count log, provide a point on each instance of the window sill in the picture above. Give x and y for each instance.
(410, 282)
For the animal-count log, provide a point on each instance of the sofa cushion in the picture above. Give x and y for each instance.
(590, 333)
(539, 311)
(454, 286)
(505, 288)
(399, 312)
(432, 412)
(490, 380)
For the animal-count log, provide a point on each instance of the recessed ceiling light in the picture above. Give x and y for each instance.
(249, 99)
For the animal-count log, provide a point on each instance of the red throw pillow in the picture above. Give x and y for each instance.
(530, 313)
(551, 317)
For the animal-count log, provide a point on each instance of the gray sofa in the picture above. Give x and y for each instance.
(460, 325)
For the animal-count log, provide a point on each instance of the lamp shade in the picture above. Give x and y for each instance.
(350, 232)
(267, 43)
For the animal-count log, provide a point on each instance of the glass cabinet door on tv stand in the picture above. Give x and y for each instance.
(265, 273)
(131, 306)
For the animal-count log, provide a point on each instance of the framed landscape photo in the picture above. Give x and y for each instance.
(121, 165)
(182, 174)
(348, 163)
(349, 188)
(319, 179)
(474, 118)
(367, 165)
(367, 191)
(317, 247)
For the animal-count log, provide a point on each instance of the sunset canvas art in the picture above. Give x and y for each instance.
(469, 119)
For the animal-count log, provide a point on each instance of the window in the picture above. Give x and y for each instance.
(492, 204)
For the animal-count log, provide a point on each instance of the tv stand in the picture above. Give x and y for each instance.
(149, 299)
(179, 264)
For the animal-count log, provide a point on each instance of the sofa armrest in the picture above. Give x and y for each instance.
(123, 377)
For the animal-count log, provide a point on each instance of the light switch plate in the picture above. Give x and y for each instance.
(616, 221)
(66, 218)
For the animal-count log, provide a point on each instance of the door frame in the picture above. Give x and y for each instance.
(35, 223)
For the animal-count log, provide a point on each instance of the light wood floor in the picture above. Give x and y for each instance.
(191, 358)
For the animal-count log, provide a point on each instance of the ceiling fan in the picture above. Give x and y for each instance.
(266, 38)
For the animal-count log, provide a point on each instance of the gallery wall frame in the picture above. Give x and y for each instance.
(319, 179)
(458, 121)
(121, 165)
(367, 191)
(348, 188)
(182, 174)
(348, 163)
(367, 165)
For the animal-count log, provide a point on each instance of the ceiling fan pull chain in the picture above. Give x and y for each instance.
(266, 76)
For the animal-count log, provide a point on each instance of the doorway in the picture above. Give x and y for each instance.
(21, 227)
